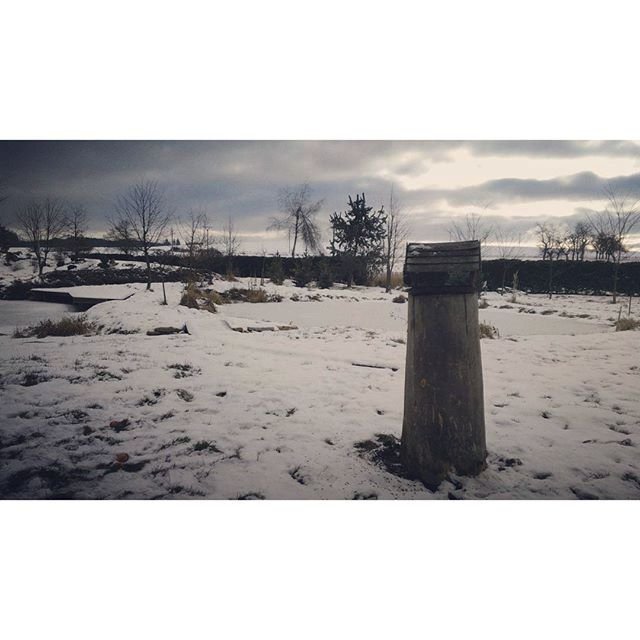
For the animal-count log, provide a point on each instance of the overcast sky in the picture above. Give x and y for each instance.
(521, 182)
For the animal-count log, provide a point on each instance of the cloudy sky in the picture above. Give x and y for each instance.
(514, 183)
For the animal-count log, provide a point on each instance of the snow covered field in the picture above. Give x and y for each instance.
(219, 413)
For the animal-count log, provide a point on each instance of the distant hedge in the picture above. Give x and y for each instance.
(595, 278)
(243, 266)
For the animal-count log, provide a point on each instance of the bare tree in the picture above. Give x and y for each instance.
(230, 243)
(508, 248)
(472, 227)
(615, 223)
(298, 218)
(578, 241)
(195, 233)
(77, 225)
(42, 223)
(552, 245)
(121, 233)
(396, 236)
(143, 213)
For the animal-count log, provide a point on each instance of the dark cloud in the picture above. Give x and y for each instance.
(241, 179)
(555, 148)
(580, 186)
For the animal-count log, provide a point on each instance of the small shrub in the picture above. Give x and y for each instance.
(257, 295)
(76, 325)
(400, 299)
(248, 295)
(303, 272)
(488, 331)
(483, 304)
(627, 324)
(276, 271)
(325, 277)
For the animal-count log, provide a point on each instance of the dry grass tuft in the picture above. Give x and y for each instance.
(249, 295)
(195, 298)
(488, 331)
(76, 325)
(627, 324)
(396, 280)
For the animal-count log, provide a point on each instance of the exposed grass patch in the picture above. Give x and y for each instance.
(185, 395)
(184, 370)
(32, 378)
(206, 445)
(251, 495)
(488, 331)
(173, 443)
(76, 325)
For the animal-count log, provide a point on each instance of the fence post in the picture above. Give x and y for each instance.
(443, 428)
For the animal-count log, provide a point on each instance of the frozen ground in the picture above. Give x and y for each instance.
(221, 414)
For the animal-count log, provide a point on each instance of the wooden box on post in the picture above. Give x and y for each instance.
(443, 428)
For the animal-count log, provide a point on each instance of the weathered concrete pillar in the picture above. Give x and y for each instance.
(443, 428)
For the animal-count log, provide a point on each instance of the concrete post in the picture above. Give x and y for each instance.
(443, 428)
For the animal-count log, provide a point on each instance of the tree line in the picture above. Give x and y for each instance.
(366, 241)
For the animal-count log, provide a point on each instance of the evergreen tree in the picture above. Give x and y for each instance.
(276, 270)
(358, 237)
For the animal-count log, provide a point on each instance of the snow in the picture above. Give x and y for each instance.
(219, 413)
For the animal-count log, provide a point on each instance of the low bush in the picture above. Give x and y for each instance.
(248, 295)
(627, 324)
(303, 272)
(400, 299)
(276, 271)
(76, 325)
(325, 276)
(488, 331)
(483, 304)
